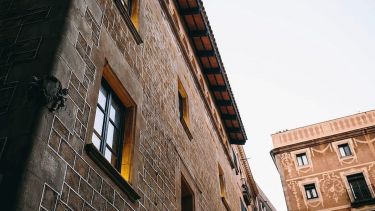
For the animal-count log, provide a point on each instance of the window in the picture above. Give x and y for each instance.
(127, 4)
(187, 199)
(111, 146)
(129, 12)
(344, 150)
(358, 187)
(183, 109)
(222, 182)
(181, 106)
(302, 159)
(109, 125)
(311, 191)
(243, 206)
(235, 161)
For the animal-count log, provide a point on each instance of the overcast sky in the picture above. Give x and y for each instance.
(292, 63)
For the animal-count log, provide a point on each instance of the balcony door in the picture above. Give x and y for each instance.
(359, 187)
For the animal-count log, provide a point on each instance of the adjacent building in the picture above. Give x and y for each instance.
(116, 105)
(329, 165)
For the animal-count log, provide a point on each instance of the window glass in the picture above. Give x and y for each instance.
(108, 125)
(115, 113)
(358, 187)
(311, 192)
(344, 150)
(102, 98)
(302, 159)
(96, 141)
(99, 120)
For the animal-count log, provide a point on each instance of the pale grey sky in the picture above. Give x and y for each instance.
(292, 63)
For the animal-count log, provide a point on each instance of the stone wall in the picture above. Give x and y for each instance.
(86, 36)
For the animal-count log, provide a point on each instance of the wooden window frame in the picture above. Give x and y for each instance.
(103, 145)
(183, 109)
(131, 17)
(121, 175)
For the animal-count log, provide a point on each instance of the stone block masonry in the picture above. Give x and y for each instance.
(74, 41)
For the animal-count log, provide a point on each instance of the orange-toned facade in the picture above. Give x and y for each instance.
(330, 165)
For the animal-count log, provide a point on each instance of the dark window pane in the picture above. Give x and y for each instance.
(115, 113)
(112, 137)
(99, 118)
(180, 106)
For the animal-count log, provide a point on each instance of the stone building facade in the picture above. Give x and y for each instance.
(329, 165)
(116, 105)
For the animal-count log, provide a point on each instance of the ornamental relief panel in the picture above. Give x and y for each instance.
(332, 186)
(371, 171)
(293, 188)
(286, 163)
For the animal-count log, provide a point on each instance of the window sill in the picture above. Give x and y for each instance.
(128, 22)
(346, 157)
(103, 164)
(303, 167)
(186, 128)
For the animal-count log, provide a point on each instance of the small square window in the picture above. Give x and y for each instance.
(344, 150)
(302, 159)
(311, 192)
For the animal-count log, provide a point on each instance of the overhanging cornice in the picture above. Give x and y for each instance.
(203, 42)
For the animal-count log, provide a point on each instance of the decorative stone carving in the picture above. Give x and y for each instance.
(49, 91)
(332, 186)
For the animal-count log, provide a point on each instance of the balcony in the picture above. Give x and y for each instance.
(361, 196)
(246, 192)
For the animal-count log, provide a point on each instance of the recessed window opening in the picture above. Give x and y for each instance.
(311, 192)
(344, 150)
(187, 199)
(302, 159)
(109, 125)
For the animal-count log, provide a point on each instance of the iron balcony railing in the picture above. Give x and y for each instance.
(361, 195)
(246, 193)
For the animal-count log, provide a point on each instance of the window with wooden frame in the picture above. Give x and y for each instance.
(112, 140)
(183, 109)
(109, 125)
(222, 182)
(187, 196)
(129, 10)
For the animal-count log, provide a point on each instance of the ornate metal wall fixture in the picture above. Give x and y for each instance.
(49, 91)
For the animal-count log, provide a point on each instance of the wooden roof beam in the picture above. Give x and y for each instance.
(190, 11)
(206, 53)
(198, 33)
(212, 70)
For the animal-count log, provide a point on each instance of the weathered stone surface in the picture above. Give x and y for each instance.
(107, 191)
(49, 198)
(75, 201)
(72, 178)
(98, 202)
(81, 167)
(95, 35)
(85, 190)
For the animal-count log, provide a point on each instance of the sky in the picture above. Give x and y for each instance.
(293, 63)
